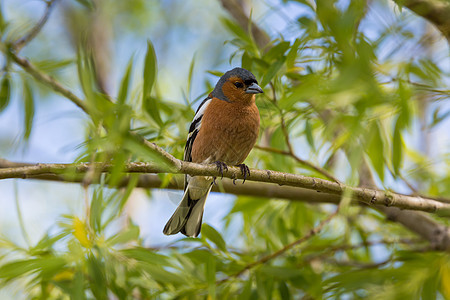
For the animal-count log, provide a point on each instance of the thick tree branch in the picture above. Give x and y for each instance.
(435, 11)
(364, 195)
(258, 189)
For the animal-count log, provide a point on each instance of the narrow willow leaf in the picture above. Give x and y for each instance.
(191, 75)
(18, 268)
(125, 83)
(214, 236)
(3, 24)
(246, 61)
(397, 148)
(150, 104)
(210, 275)
(144, 255)
(272, 71)
(97, 276)
(130, 234)
(89, 4)
(50, 65)
(309, 135)
(246, 290)
(292, 55)
(215, 73)
(445, 280)
(96, 210)
(283, 289)
(77, 289)
(276, 52)
(29, 108)
(375, 151)
(150, 67)
(236, 30)
(5, 92)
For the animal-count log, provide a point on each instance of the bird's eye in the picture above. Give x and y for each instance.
(238, 84)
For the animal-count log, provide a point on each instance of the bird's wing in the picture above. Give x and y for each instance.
(193, 131)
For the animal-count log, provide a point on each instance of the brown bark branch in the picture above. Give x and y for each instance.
(435, 11)
(368, 196)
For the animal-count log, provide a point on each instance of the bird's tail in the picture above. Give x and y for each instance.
(187, 218)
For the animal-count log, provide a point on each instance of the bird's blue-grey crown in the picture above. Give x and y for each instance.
(246, 75)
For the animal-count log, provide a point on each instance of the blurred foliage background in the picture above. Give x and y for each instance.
(355, 91)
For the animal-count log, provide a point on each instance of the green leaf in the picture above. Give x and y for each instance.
(89, 4)
(96, 210)
(309, 135)
(397, 146)
(47, 265)
(150, 104)
(5, 92)
(246, 292)
(284, 290)
(191, 75)
(97, 276)
(210, 274)
(28, 108)
(125, 83)
(46, 243)
(77, 288)
(236, 30)
(272, 71)
(276, 52)
(375, 149)
(246, 61)
(214, 236)
(163, 276)
(131, 234)
(292, 55)
(215, 73)
(280, 272)
(18, 268)
(147, 256)
(3, 23)
(50, 65)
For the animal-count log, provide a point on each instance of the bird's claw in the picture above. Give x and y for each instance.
(245, 171)
(221, 166)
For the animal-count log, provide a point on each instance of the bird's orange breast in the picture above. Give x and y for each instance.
(228, 132)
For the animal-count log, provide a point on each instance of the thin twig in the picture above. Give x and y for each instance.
(27, 38)
(299, 160)
(357, 264)
(290, 151)
(48, 80)
(20, 215)
(283, 250)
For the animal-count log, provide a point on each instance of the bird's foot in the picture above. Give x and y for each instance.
(221, 166)
(245, 171)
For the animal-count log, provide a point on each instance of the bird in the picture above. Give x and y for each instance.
(224, 130)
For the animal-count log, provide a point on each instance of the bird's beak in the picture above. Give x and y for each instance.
(254, 89)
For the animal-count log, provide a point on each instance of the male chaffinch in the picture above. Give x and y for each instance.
(224, 130)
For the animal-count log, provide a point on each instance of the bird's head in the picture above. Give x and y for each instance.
(237, 84)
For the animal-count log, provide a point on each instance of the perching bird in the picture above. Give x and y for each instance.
(224, 130)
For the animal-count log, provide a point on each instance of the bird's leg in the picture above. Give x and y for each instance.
(221, 166)
(245, 171)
